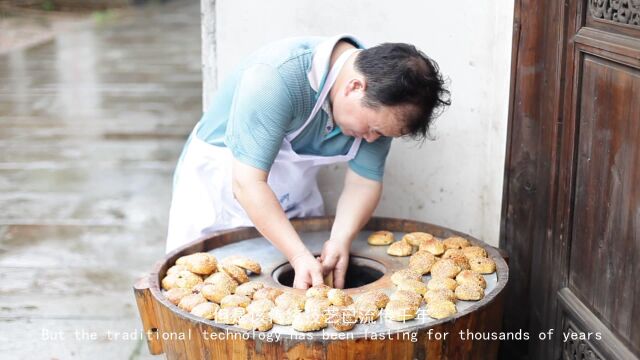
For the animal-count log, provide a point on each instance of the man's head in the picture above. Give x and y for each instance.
(396, 91)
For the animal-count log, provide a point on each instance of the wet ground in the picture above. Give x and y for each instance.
(91, 125)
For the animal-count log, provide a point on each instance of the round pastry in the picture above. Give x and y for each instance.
(377, 298)
(169, 281)
(461, 261)
(186, 279)
(469, 291)
(422, 261)
(318, 291)
(238, 274)
(405, 274)
(434, 246)
(441, 309)
(317, 304)
(288, 299)
(415, 238)
(400, 311)
(255, 322)
(366, 312)
(249, 288)
(176, 268)
(445, 268)
(451, 252)
(408, 297)
(341, 318)
(235, 301)
(474, 251)
(283, 316)
(244, 263)
(416, 286)
(400, 248)
(214, 293)
(440, 294)
(471, 277)
(176, 294)
(206, 310)
(230, 315)
(482, 265)
(221, 279)
(201, 263)
(380, 238)
(456, 242)
(339, 297)
(311, 321)
(267, 293)
(260, 306)
(188, 302)
(442, 283)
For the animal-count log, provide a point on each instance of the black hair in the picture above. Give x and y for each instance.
(400, 74)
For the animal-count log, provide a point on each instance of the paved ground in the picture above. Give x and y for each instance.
(91, 125)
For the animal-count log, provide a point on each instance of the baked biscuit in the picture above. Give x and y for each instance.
(230, 315)
(422, 261)
(461, 261)
(400, 248)
(434, 246)
(206, 310)
(186, 279)
(442, 283)
(405, 274)
(445, 268)
(221, 279)
(318, 291)
(456, 242)
(416, 238)
(339, 297)
(469, 291)
(244, 263)
(440, 294)
(341, 318)
(283, 316)
(416, 286)
(441, 309)
(214, 293)
(366, 312)
(408, 297)
(312, 321)
(237, 273)
(176, 268)
(176, 294)
(474, 251)
(249, 288)
(201, 263)
(451, 252)
(260, 306)
(400, 311)
(317, 304)
(188, 302)
(235, 301)
(255, 322)
(482, 265)
(267, 293)
(380, 238)
(471, 277)
(377, 298)
(288, 299)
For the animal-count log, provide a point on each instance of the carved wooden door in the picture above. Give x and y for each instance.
(571, 211)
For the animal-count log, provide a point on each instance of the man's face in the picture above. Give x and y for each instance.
(360, 121)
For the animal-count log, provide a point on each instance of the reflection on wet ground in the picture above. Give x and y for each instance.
(91, 126)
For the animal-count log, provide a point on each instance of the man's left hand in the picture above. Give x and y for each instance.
(335, 257)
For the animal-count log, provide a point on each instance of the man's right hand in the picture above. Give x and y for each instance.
(308, 271)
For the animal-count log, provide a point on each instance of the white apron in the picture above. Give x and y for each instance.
(203, 202)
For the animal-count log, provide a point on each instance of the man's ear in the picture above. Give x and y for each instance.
(355, 84)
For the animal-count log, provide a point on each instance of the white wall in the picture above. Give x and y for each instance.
(456, 180)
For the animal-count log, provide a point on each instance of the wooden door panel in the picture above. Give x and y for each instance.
(605, 243)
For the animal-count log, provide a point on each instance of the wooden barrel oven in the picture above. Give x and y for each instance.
(180, 335)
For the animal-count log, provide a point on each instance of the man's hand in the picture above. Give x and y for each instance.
(308, 271)
(335, 257)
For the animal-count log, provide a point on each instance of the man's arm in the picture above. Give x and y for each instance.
(358, 200)
(252, 191)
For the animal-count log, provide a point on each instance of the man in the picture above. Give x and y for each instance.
(290, 108)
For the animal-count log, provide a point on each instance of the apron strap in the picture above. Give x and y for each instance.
(331, 79)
